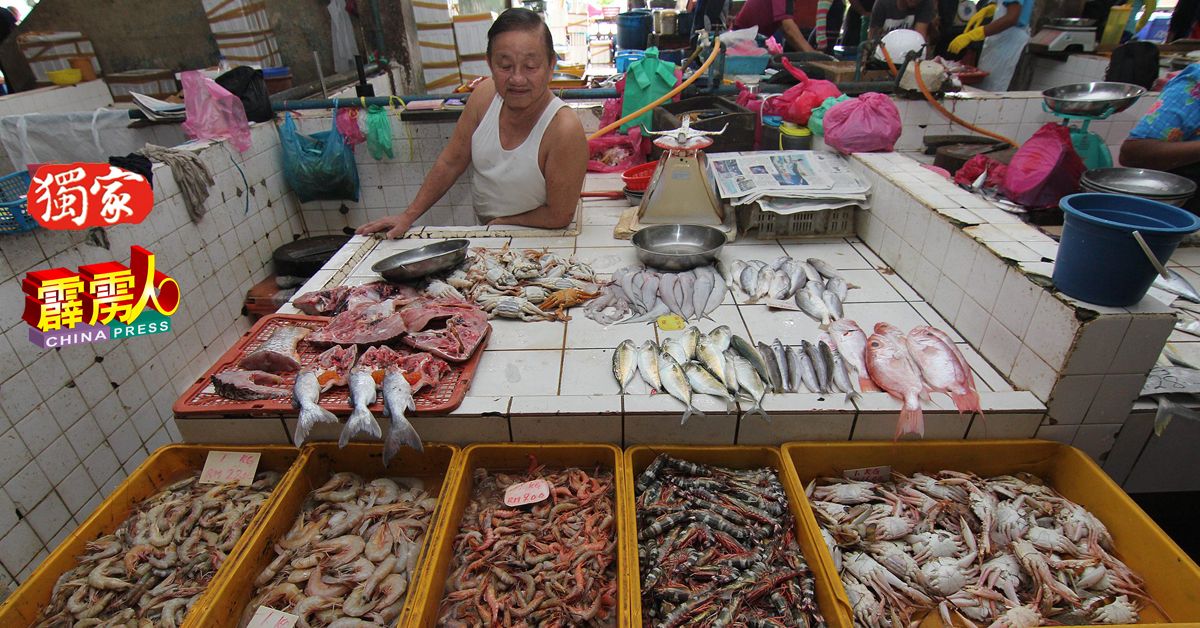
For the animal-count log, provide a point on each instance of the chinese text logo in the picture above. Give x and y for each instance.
(78, 196)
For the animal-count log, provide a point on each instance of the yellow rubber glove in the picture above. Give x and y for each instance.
(977, 19)
(1147, 10)
(964, 40)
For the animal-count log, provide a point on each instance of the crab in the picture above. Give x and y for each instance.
(524, 268)
(566, 298)
(1121, 611)
(534, 294)
(512, 307)
(498, 277)
(1019, 617)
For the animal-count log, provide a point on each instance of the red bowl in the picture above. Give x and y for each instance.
(638, 177)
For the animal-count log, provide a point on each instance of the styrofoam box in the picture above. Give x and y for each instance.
(430, 11)
(473, 69)
(470, 33)
(438, 81)
(50, 51)
(264, 51)
(437, 45)
(253, 22)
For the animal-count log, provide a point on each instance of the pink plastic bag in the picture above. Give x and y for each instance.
(796, 104)
(975, 166)
(868, 123)
(213, 113)
(347, 124)
(1044, 169)
(616, 152)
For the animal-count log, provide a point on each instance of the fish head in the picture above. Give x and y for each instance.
(888, 329)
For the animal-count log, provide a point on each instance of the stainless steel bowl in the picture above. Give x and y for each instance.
(422, 261)
(678, 247)
(1092, 99)
(1150, 184)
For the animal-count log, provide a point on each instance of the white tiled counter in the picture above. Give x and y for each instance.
(552, 381)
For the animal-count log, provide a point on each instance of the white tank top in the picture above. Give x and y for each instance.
(507, 182)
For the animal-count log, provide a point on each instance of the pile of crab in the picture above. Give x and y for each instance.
(1004, 552)
(529, 285)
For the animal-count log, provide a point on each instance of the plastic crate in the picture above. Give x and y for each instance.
(829, 223)
(421, 610)
(831, 598)
(436, 466)
(14, 214)
(167, 465)
(1172, 578)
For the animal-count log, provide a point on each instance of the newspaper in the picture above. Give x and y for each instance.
(787, 181)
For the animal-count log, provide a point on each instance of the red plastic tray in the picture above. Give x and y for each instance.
(201, 401)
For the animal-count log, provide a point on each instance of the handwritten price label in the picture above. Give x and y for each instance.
(271, 618)
(526, 493)
(671, 322)
(869, 474)
(782, 305)
(230, 466)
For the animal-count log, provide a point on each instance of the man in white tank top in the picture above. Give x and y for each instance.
(526, 148)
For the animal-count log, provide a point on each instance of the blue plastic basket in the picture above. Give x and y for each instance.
(13, 215)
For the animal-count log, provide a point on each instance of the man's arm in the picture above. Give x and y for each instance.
(1159, 154)
(859, 8)
(793, 36)
(446, 170)
(923, 29)
(1012, 14)
(564, 170)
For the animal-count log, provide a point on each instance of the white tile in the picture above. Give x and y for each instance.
(518, 334)
(933, 318)
(960, 258)
(93, 384)
(1032, 373)
(1141, 345)
(28, 487)
(48, 517)
(1005, 426)
(606, 260)
(125, 441)
(48, 374)
(574, 428)
(1096, 440)
(972, 321)
(1072, 397)
(1016, 302)
(58, 460)
(109, 414)
(590, 372)
(585, 333)
(1061, 433)
(517, 372)
(18, 547)
(18, 396)
(656, 419)
(840, 254)
(987, 275)
(38, 430)
(1115, 398)
(1000, 346)
(463, 430)
(85, 436)
(1098, 343)
(8, 514)
(868, 286)
(1051, 330)
(868, 314)
(882, 426)
(101, 464)
(947, 298)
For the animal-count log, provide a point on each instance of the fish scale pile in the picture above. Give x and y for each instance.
(728, 367)
(156, 564)
(637, 294)
(1008, 552)
(717, 547)
(550, 563)
(348, 559)
(816, 287)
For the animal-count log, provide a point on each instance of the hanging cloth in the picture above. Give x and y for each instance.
(343, 37)
(646, 81)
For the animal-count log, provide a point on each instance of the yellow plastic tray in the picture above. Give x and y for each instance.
(235, 586)
(422, 610)
(831, 598)
(164, 467)
(1172, 578)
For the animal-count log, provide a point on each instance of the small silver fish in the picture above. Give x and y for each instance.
(838, 286)
(841, 376)
(748, 280)
(775, 375)
(703, 382)
(362, 394)
(808, 374)
(688, 340)
(677, 384)
(833, 304)
(1176, 284)
(648, 365)
(810, 301)
(779, 262)
(721, 336)
(794, 376)
(624, 363)
(398, 397)
(731, 378)
(780, 285)
(730, 273)
(796, 276)
(712, 358)
(780, 353)
(823, 267)
(752, 355)
(811, 273)
(762, 287)
(749, 381)
(305, 394)
(819, 366)
(674, 348)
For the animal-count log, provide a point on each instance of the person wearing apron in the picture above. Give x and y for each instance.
(1165, 138)
(1004, 42)
(526, 149)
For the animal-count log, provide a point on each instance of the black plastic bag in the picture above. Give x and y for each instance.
(248, 84)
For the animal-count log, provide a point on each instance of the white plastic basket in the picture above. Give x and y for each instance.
(829, 223)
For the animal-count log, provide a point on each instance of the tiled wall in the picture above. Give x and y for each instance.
(977, 265)
(1015, 115)
(75, 421)
(1052, 71)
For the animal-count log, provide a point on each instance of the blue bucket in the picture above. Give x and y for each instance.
(1099, 261)
(633, 29)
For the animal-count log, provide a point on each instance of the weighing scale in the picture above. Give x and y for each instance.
(680, 190)
(1087, 102)
(1090, 146)
(1066, 34)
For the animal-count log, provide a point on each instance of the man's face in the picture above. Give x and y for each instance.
(519, 66)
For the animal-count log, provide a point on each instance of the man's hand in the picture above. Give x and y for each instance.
(395, 226)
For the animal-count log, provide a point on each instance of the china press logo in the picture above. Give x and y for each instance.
(100, 302)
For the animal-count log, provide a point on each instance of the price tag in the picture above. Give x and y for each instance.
(782, 305)
(230, 466)
(671, 322)
(271, 618)
(869, 474)
(526, 493)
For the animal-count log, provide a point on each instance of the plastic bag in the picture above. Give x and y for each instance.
(868, 123)
(975, 166)
(249, 85)
(816, 120)
(213, 113)
(347, 123)
(1044, 169)
(796, 104)
(616, 152)
(379, 132)
(320, 167)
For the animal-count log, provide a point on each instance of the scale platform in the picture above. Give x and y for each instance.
(1065, 35)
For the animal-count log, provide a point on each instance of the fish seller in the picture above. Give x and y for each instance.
(1165, 138)
(525, 147)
